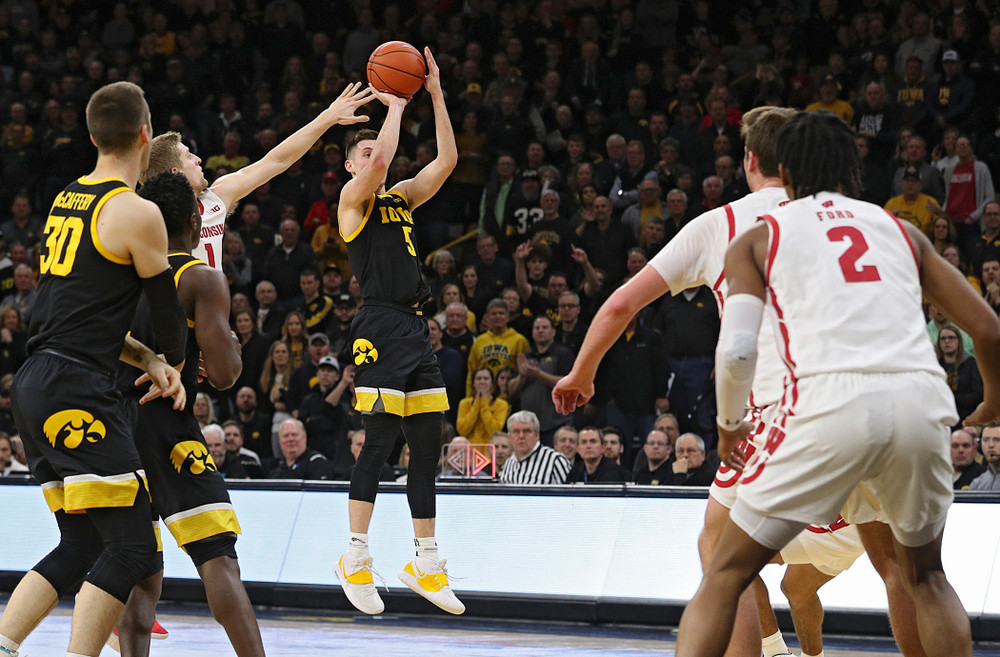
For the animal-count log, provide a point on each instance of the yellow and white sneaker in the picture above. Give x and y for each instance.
(355, 576)
(429, 579)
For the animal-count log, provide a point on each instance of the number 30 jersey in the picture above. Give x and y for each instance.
(86, 295)
(383, 253)
(843, 278)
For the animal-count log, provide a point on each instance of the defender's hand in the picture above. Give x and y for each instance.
(351, 98)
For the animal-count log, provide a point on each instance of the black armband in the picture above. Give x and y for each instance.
(167, 314)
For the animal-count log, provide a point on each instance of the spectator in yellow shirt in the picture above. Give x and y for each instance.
(499, 346)
(828, 90)
(482, 414)
(919, 209)
(230, 156)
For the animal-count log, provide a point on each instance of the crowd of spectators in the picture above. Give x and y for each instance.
(589, 133)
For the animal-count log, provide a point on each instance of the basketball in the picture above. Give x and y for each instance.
(397, 67)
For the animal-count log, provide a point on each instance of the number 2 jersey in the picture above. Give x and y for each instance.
(86, 295)
(843, 283)
(383, 255)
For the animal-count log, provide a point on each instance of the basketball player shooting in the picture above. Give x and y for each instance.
(397, 380)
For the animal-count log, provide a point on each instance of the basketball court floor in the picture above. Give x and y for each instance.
(295, 633)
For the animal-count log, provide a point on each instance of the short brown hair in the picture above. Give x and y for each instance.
(115, 115)
(760, 135)
(163, 155)
(362, 135)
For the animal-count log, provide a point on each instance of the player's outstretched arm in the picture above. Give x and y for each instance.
(946, 287)
(429, 180)
(358, 191)
(210, 295)
(577, 387)
(232, 187)
(166, 380)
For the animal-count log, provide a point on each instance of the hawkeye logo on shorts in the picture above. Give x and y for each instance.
(194, 455)
(72, 427)
(365, 352)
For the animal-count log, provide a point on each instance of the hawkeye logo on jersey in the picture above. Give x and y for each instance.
(72, 427)
(365, 352)
(193, 454)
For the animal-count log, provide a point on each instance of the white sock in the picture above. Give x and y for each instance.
(358, 545)
(819, 655)
(427, 547)
(8, 646)
(774, 645)
(74, 654)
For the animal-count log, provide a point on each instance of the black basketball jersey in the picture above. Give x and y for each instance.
(142, 330)
(383, 253)
(86, 295)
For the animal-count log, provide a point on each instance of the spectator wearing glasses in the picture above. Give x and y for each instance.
(989, 441)
(988, 244)
(961, 370)
(656, 471)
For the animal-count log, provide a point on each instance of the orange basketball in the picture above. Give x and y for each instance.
(397, 67)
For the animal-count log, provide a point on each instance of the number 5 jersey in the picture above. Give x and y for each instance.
(383, 253)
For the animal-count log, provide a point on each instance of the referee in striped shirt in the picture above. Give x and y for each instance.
(531, 462)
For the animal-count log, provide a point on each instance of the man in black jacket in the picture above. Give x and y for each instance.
(692, 468)
(299, 461)
(592, 467)
(323, 412)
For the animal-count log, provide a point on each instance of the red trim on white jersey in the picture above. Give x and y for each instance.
(772, 248)
(786, 354)
(838, 524)
(716, 289)
(906, 236)
(731, 218)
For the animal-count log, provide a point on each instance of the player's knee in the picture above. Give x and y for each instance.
(79, 547)
(124, 561)
(213, 547)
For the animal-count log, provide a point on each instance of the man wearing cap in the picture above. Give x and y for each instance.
(949, 100)
(344, 310)
(914, 156)
(303, 377)
(324, 411)
(828, 90)
(913, 206)
(333, 282)
(524, 207)
(319, 212)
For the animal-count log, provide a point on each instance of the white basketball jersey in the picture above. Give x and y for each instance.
(844, 287)
(213, 226)
(697, 256)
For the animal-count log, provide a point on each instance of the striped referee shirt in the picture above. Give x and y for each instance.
(542, 465)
